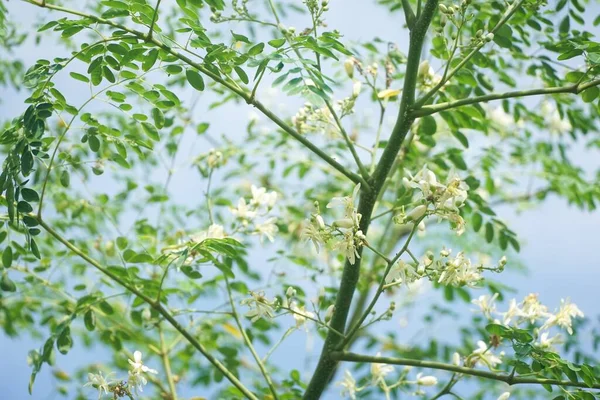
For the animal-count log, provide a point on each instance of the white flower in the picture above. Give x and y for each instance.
(214, 231)
(426, 380)
(137, 382)
(379, 371)
(402, 272)
(137, 367)
(98, 381)
(314, 232)
(500, 118)
(346, 202)
(486, 304)
(309, 82)
(424, 69)
(546, 342)
(532, 309)
(564, 315)
(504, 396)
(460, 272)
(260, 307)
(260, 197)
(483, 354)
(347, 246)
(300, 315)
(556, 124)
(214, 158)
(513, 311)
(267, 228)
(348, 385)
(424, 180)
(242, 211)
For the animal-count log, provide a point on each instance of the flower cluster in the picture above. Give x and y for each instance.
(379, 373)
(135, 383)
(449, 271)
(435, 198)
(260, 306)
(531, 311)
(343, 234)
(260, 205)
(556, 124)
(426, 75)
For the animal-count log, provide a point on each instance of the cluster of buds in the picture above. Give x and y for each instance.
(312, 119)
(343, 234)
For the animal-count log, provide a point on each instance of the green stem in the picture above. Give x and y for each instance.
(155, 305)
(154, 18)
(249, 345)
(167, 363)
(514, 380)
(380, 289)
(512, 9)
(436, 108)
(243, 93)
(326, 365)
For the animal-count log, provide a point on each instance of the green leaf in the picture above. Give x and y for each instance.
(141, 258)
(158, 117)
(240, 38)
(497, 329)
(191, 272)
(29, 194)
(489, 232)
(151, 131)
(195, 79)
(89, 319)
(7, 257)
(277, 43)
(460, 137)
(106, 307)
(242, 74)
(6, 284)
(428, 125)
(565, 25)
(122, 242)
(477, 222)
(590, 94)
(256, 49)
(34, 249)
(64, 343)
(150, 59)
(202, 127)
(79, 77)
(65, 178)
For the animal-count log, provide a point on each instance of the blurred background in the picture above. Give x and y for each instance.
(560, 243)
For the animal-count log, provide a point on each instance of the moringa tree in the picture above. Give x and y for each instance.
(327, 220)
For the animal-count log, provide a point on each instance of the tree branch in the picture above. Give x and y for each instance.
(154, 18)
(436, 108)
(512, 9)
(243, 93)
(509, 379)
(326, 365)
(156, 305)
(408, 14)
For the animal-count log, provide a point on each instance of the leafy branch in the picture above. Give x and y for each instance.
(245, 94)
(435, 108)
(506, 378)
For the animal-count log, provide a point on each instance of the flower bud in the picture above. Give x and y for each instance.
(427, 380)
(489, 37)
(290, 292)
(320, 222)
(345, 223)
(356, 89)
(504, 396)
(423, 71)
(329, 313)
(456, 359)
(349, 67)
(443, 8)
(417, 212)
